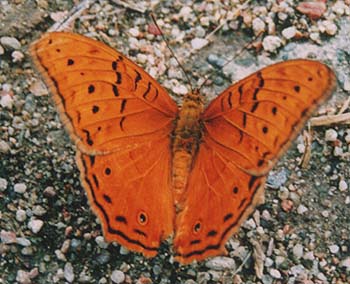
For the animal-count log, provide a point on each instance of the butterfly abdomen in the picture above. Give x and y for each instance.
(187, 135)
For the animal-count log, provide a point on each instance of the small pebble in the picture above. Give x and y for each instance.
(69, 272)
(23, 242)
(331, 135)
(20, 188)
(6, 101)
(4, 147)
(198, 43)
(289, 32)
(258, 26)
(8, 237)
(35, 225)
(271, 43)
(3, 184)
(328, 27)
(2, 50)
(117, 276)
(275, 273)
(10, 42)
(298, 251)
(334, 249)
(302, 209)
(342, 186)
(221, 263)
(345, 263)
(17, 56)
(134, 32)
(60, 255)
(101, 242)
(49, 191)
(21, 215)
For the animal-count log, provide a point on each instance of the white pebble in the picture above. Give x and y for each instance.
(198, 43)
(271, 43)
(343, 185)
(10, 42)
(345, 263)
(21, 215)
(346, 85)
(35, 225)
(6, 101)
(117, 276)
(4, 147)
(328, 27)
(101, 242)
(331, 135)
(69, 272)
(134, 32)
(180, 90)
(123, 250)
(23, 277)
(17, 56)
(3, 184)
(23, 242)
(302, 209)
(258, 26)
(60, 255)
(2, 50)
(298, 251)
(141, 58)
(185, 12)
(334, 249)
(338, 151)
(275, 273)
(290, 32)
(221, 263)
(20, 188)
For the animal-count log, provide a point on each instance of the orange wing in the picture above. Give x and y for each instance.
(130, 193)
(105, 100)
(121, 120)
(254, 121)
(246, 129)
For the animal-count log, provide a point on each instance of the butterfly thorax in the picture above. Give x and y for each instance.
(185, 144)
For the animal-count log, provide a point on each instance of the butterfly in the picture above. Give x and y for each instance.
(152, 169)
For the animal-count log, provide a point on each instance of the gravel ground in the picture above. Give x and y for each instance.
(48, 234)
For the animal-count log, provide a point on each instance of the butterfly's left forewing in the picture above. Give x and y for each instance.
(245, 130)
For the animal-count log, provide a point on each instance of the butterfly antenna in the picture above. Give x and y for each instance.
(244, 48)
(172, 52)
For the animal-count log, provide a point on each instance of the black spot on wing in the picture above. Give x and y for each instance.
(212, 233)
(121, 219)
(122, 106)
(107, 198)
(137, 78)
(108, 171)
(194, 242)
(115, 91)
(141, 233)
(119, 78)
(91, 89)
(254, 107)
(94, 177)
(92, 160)
(88, 137)
(228, 217)
(243, 201)
(121, 122)
(70, 62)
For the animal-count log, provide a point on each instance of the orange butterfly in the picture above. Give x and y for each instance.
(151, 169)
